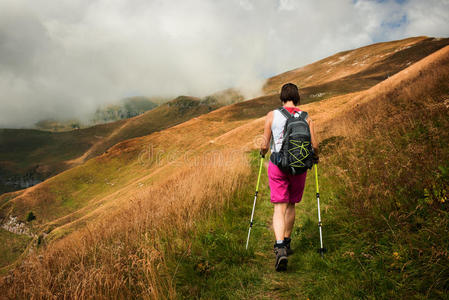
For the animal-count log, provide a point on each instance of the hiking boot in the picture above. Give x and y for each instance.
(281, 257)
(287, 245)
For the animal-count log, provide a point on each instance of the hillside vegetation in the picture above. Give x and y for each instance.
(47, 154)
(36, 155)
(355, 70)
(384, 176)
(163, 215)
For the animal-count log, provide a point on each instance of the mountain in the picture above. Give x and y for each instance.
(110, 217)
(355, 70)
(125, 109)
(49, 153)
(28, 156)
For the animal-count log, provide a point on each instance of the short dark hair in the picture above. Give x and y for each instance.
(289, 92)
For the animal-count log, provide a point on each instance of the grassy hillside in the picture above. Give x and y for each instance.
(355, 70)
(46, 154)
(135, 221)
(384, 182)
(173, 112)
(35, 154)
(39, 154)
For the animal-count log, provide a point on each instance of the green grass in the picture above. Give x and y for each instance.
(74, 190)
(362, 262)
(385, 229)
(219, 267)
(42, 154)
(11, 246)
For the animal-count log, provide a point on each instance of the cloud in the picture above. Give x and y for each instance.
(62, 59)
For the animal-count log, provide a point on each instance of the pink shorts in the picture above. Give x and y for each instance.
(285, 188)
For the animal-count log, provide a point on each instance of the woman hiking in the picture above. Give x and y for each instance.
(285, 189)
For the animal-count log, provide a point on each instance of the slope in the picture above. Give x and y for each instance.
(140, 178)
(46, 154)
(27, 155)
(356, 70)
(384, 178)
(78, 193)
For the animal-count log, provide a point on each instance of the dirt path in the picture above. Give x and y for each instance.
(305, 241)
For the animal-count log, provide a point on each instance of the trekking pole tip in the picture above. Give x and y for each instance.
(322, 251)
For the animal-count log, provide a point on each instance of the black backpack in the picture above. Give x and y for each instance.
(296, 154)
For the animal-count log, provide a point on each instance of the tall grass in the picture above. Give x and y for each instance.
(123, 255)
(387, 160)
(392, 174)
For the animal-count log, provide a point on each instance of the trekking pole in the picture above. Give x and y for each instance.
(254, 204)
(321, 250)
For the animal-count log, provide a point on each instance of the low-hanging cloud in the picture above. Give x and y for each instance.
(62, 59)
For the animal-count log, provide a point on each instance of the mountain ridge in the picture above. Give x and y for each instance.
(235, 127)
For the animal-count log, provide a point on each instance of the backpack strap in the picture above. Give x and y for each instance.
(285, 112)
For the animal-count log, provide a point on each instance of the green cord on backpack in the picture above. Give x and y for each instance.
(296, 154)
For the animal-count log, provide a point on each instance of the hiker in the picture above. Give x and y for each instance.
(286, 189)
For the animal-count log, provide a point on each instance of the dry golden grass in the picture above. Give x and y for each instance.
(120, 255)
(190, 136)
(197, 132)
(408, 102)
(389, 173)
(117, 252)
(339, 65)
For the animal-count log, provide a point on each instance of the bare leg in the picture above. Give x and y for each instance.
(279, 220)
(289, 219)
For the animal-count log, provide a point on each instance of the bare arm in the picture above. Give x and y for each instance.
(265, 144)
(313, 136)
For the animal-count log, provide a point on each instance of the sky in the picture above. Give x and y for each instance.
(62, 59)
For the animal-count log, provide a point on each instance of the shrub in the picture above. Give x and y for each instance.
(30, 216)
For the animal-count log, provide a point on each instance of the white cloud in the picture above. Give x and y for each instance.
(424, 17)
(63, 58)
(287, 4)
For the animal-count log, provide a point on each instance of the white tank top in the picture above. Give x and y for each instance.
(277, 129)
